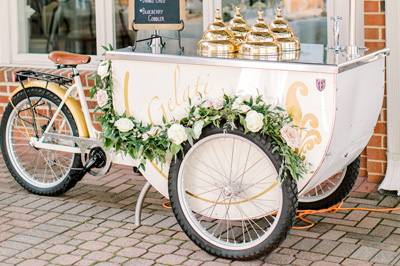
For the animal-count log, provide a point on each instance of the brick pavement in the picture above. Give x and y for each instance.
(93, 225)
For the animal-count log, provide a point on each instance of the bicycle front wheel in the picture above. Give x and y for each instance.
(42, 172)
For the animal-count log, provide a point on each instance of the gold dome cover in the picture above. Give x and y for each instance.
(279, 22)
(284, 34)
(217, 40)
(238, 26)
(260, 41)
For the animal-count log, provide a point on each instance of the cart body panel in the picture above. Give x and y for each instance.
(324, 100)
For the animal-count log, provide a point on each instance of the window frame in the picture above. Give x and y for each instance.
(106, 32)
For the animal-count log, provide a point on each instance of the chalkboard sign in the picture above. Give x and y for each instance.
(157, 14)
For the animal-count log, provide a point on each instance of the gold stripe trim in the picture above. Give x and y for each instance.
(236, 202)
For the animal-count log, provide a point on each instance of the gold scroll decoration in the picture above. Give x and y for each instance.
(308, 123)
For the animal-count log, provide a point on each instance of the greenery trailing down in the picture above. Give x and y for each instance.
(147, 142)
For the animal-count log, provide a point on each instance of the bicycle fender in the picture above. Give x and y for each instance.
(72, 104)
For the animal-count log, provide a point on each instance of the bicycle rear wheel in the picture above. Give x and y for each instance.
(42, 172)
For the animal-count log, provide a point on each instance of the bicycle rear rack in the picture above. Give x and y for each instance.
(29, 74)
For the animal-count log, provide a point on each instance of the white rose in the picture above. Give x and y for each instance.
(291, 136)
(154, 131)
(177, 134)
(244, 108)
(145, 136)
(102, 97)
(124, 124)
(237, 103)
(102, 71)
(198, 128)
(254, 121)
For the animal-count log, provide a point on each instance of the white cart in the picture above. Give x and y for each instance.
(334, 99)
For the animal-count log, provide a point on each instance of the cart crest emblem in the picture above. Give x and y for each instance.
(321, 84)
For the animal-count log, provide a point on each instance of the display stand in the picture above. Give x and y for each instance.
(158, 40)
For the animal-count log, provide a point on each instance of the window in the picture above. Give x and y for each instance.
(307, 18)
(48, 25)
(192, 32)
(33, 28)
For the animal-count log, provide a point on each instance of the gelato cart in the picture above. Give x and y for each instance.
(334, 99)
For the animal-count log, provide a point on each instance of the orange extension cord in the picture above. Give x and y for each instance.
(309, 223)
(301, 214)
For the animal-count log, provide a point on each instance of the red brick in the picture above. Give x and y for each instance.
(371, 33)
(376, 153)
(371, 6)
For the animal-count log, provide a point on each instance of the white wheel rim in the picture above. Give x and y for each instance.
(43, 169)
(324, 189)
(249, 212)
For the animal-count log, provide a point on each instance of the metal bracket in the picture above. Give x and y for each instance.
(139, 203)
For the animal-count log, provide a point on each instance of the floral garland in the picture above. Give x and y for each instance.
(146, 142)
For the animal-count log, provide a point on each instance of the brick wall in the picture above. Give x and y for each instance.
(373, 158)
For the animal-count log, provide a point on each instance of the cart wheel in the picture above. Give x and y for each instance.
(227, 197)
(331, 191)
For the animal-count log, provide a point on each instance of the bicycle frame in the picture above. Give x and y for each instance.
(93, 133)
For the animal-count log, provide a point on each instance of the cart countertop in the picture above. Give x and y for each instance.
(312, 58)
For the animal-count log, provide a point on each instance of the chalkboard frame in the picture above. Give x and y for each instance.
(156, 26)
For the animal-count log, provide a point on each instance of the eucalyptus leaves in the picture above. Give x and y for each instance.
(154, 142)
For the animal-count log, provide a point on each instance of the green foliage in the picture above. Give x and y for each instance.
(147, 143)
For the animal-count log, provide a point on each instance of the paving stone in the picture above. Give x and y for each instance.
(275, 258)
(163, 249)
(389, 202)
(344, 250)
(364, 253)
(139, 261)
(354, 262)
(369, 222)
(312, 256)
(393, 239)
(118, 232)
(61, 249)
(332, 235)
(131, 252)
(93, 245)
(301, 262)
(30, 253)
(384, 257)
(356, 215)
(324, 263)
(382, 231)
(325, 246)
(99, 256)
(88, 236)
(125, 242)
(171, 259)
(66, 259)
(34, 262)
(306, 244)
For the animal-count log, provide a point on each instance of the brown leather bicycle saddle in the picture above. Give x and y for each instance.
(69, 59)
